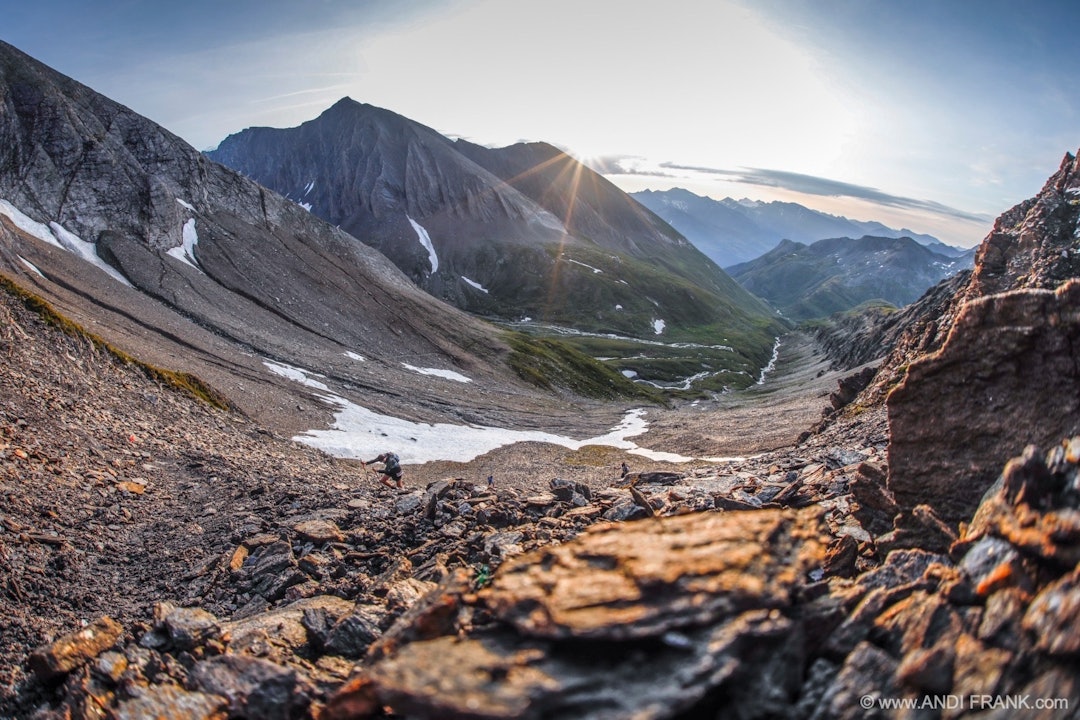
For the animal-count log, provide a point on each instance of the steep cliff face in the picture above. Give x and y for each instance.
(524, 231)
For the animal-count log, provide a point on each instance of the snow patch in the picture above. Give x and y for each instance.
(658, 326)
(475, 284)
(294, 373)
(448, 374)
(594, 269)
(618, 307)
(186, 251)
(56, 235)
(186, 204)
(425, 240)
(629, 373)
(353, 356)
(31, 266)
(305, 205)
(358, 432)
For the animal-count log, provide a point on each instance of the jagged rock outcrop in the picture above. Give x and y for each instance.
(1006, 377)
(1032, 245)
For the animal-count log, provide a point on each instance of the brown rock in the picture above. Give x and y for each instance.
(236, 561)
(1031, 507)
(755, 657)
(169, 701)
(840, 557)
(643, 578)
(876, 505)
(978, 668)
(255, 688)
(866, 673)
(319, 531)
(72, 650)
(1009, 369)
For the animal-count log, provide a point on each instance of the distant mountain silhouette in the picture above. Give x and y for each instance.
(735, 231)
(832, 275)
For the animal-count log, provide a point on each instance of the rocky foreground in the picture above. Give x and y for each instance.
(165, 559)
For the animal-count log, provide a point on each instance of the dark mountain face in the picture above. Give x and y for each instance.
(523, 231)
(829, 276)
(736, 231)
(217, 275)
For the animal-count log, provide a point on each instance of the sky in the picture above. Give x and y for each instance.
(932, 115)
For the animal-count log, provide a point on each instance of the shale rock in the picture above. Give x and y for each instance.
(1009, 369)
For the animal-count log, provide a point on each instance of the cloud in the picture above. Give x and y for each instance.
(812, 185)
(626, 165)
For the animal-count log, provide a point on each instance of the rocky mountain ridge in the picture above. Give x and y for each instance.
(522, 231)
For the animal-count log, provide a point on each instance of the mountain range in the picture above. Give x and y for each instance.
(735, 231)
(838, 274)
(521, 231)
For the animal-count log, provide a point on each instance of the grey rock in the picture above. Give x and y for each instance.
(256, 689)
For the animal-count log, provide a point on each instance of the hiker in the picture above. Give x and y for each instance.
(625, 471)
(391, 469)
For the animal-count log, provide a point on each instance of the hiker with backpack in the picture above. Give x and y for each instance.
(391, 469)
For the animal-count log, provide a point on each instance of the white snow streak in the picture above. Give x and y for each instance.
(307, 190)
(56, 235)
(294, 373)
(475, 284)
(353, 356)
(32, 266)
(425, 240)
(594, 269)
(186, 204)
(186, 251)
(448, 374)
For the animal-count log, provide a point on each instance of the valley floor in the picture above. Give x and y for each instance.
(741, 424)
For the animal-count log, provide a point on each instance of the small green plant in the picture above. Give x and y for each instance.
(483, 577)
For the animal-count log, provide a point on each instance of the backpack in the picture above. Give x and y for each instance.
(392, 461)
